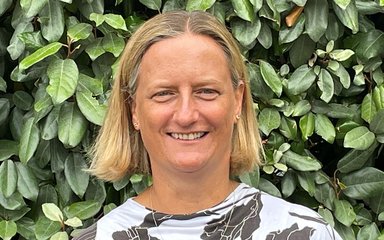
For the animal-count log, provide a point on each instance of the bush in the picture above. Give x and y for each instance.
(316, 70)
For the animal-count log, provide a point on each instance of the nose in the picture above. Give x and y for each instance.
(186, 112)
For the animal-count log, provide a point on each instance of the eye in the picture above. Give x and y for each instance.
(207, 93)
(163, 96)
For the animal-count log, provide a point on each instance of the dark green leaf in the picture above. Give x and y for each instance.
(32, 8)
(52, 21)
(344, 212)
(359, 138)
(316, 18)
(348, 16)
(16, 46)
(288, 128)
(7, 149)
(290, 34)
(371, 44)
(13, 202)
(76, 176)
(288, 183)
(302, 107)
(325, 128)
(307, 182)
(299, 162)
(45, 228)
(326, 85)
(355, 159)
(269, 119)
(90, 107)
(245, 32)
(243, 9)
(30, 135)
(364, 183)
(83, 210)
(258, 86)
(265, 35)
(377, 124)
(88, 7)
(268, 187)
(50, 124)
(325, 195)
(23, 100)
(5, 4)
(72, 125)
(26, 228)
(301, 79)
(152, 4)
(8, 178)
(301, 50)
(5, 107)
(27, 183)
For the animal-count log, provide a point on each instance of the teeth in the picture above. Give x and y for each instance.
(189, 136)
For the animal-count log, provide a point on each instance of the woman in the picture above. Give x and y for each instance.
(181, 109)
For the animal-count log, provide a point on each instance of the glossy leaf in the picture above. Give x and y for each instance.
(5, 4)
(116, 21)
(8, 148)
(342, 3)
(301, 50)
(325, 128)
(269, 119)
(76, 176)
(299, 162)
(378, 96)
(271, 78)
(307, 125)
(83, 210)
(97, 18)
(301, 79)
(23, 100)
(60, 236)
(52, 212)
(377, 124)
(8, 229)
(72, 125)
(73, 222)
(8, 177)
(316, 18)
(348, 16)
(113, 44)
(364, 183)
(359, 138)
(341, 55)
(16, 46)
(79, 31)
(370, 44)
(288, 128)
(368, 108)
(52, 21)
(265, 35)
(344, 212)
(63, 76)
(152, 4)
(89, 7)
(245, 32)
(45, 228)
(30, 135)
(199, 4)
(27, 183)
(90, 107)
(40, 54)
(290, 34)
(355, 159)
(243, 9)
(343, 75)
(95, 49)
(326, 85)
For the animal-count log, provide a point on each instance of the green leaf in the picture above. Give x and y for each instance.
(301, 79)
(50, 124)
(271, 78)
(8, 229)
(251, 178)
(83, 210)
(370, 44)
(288, 128)
(5, 4)
(115, 21)
(325, 128)
(79, 31)
(368, 232)
(32, 8)
(22, 100)
(316, 18)
(326, 85)
(368, 108)
(355, 159)
(8, 148)
(30, 135)
(72, 125)
(268, 187)
(74, 172)
(269, 119)
(8, 177)
(152, 4)
(113, 44)
(203, 5)
(359, 138)
(32, 40)
(90, 107)
(348, 16)
(258, 86)
(265, 35)
(16, 46)
(243, 9)
(3, 85)
(97, 18)
(45, 228)
(301, 50)
(86, 83)
(344, 212)
(245, 32)
(325, 194)
(299, 162)
(39, 55)
(288, 183)
(343, 75)
(378, 96)
(342, 3)
(301, 108)
(290, 34)
(307, 125)
(341, 55)
(60, 236)
(73, 222)
(364, 183)
(27, 183)
(377, 124)
(52, 21)
(95, 49)
(4, 109)
(52, 212)
(307, 182)
(14, 202)
(63, 76)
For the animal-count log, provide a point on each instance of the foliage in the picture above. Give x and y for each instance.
(316, 70)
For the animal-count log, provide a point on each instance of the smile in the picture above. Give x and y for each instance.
(187, 136)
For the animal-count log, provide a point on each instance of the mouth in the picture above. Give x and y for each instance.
(188, 136)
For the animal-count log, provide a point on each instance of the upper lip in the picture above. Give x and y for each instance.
(187, 135)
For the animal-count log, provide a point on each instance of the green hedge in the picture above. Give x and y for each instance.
(316, 70)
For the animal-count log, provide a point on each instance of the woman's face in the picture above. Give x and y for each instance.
(185, 104)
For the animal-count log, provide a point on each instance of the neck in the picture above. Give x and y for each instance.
(186, 194)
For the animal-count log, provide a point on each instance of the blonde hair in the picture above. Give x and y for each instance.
(119, 149)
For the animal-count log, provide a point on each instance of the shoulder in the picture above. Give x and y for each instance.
(87, 234)
(287, 218)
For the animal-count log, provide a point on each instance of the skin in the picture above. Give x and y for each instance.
(186, 107)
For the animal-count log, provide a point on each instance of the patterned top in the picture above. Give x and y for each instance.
(246, 213)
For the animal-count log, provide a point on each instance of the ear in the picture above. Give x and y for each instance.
(135, 119)
(239, 95)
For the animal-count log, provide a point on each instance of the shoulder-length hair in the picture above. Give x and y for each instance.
(119, 149)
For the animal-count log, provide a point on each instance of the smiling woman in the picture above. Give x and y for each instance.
(181, 110)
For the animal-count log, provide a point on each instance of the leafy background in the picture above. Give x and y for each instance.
(316, 70)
